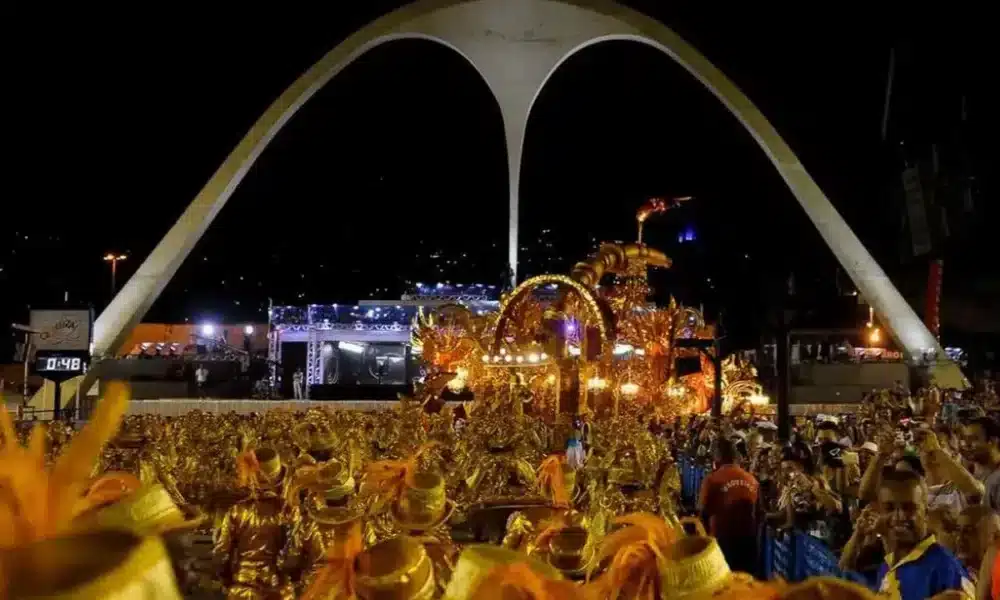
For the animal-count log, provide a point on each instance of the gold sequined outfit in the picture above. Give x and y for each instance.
(247, 545)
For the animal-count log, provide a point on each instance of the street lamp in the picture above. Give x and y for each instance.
(114, 259)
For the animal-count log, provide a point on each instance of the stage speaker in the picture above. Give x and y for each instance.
(687, 365)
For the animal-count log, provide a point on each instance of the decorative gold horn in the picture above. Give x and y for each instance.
(614, 258)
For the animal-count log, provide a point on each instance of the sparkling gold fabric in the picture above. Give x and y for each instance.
(247, 547)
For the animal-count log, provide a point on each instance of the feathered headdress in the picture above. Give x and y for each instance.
(547, 530)
(636, 554)
(338, 572)
(248, 470)
(386, 479)
(108, 488)
(550, 478)
(521, 581)
(38, 503)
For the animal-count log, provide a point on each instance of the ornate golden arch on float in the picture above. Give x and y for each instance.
(605, 324)
(516, 45)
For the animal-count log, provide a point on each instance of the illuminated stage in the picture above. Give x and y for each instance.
(363, 344)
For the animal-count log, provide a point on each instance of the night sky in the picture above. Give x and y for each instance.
(395, 172)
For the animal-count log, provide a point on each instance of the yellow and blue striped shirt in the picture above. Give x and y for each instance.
(925, 571)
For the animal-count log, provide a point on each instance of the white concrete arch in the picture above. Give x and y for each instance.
(515, 45)
(155, 270)
(904, 324)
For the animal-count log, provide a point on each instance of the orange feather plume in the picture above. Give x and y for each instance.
(106, 489)
(338, 572)
(548, 529)
(550, 477)
(636, 554)
(247, 469)
(518, 580)
(387, 478)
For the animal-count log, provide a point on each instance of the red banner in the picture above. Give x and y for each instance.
(932, 312)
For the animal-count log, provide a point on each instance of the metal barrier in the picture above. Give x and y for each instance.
(794, 556)
(790, 555)
(692, 474)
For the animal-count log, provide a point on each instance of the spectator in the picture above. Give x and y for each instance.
(806, 500)
(728, 503)
(977, 528)
(866, 453)
(949, 481)
(864, 552)
(201, 379)
(916, 567)
(840, 471)
(982, 442)
(297, 380)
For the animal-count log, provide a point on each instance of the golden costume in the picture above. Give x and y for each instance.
(404, 500)
(320, 520)
(252, 534)
(396, 568)
(501, 464)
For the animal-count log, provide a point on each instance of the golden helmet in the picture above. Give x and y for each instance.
(150, 510)
(422, 505)
(398, 568)
(94, 565)
(477, 561)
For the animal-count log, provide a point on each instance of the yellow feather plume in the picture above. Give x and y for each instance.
(36, 503)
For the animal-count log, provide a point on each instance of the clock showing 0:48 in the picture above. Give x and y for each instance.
(62, 364)
(56, 365)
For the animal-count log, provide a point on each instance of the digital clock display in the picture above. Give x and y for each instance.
(60, 365)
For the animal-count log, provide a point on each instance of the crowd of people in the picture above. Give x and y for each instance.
(905, 491)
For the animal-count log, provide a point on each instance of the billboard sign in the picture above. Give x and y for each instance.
(61, 329)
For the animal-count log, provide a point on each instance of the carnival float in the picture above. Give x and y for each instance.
(590, 342)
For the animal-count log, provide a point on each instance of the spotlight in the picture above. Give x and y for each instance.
(350, 347)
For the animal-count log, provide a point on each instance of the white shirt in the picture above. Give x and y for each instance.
(201, 374)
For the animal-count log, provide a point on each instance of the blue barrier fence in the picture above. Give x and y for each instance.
(692, 474)
(791, 555)
(794, 556)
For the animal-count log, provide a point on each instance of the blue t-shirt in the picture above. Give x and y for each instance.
(926, 571)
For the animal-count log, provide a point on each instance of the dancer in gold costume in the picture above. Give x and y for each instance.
(406, 498)
(500, 461)
(252, 533)
(320, 519)
(396, 568)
